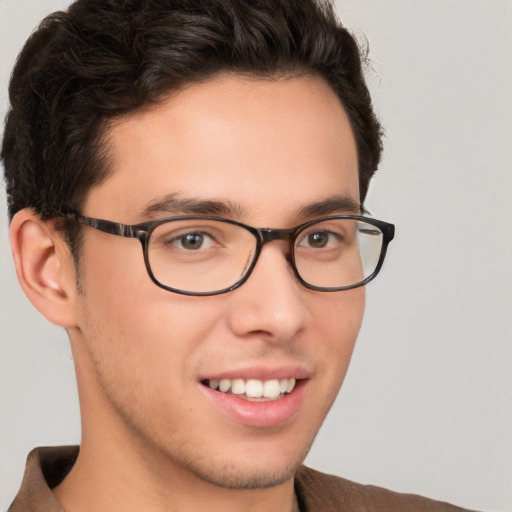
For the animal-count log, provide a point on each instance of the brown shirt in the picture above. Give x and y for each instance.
(316, 492)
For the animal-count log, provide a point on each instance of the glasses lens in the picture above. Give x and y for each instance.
(337, 253)
(200, 255)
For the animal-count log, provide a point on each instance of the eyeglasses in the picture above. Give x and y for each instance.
(203, 255)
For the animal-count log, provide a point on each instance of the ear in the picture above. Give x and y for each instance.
(44, 267)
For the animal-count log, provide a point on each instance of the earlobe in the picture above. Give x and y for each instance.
(44, 267)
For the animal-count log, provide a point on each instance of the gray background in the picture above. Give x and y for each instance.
(427, 404)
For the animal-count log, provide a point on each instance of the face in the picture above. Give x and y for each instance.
(265, 150)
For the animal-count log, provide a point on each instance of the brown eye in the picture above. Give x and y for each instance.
(318, 240)
(192, 241)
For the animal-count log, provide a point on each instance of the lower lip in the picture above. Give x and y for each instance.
(259, 414)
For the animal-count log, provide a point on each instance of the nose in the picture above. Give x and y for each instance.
(271, 303)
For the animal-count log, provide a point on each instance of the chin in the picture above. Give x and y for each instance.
(241, 476)
(270, 469)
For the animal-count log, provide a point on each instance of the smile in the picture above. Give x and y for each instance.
(253, 389)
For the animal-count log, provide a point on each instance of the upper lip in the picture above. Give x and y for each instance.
(261, 373)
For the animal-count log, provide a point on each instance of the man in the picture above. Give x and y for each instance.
(233, 143)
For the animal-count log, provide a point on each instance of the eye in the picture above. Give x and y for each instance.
(319, 239)
(193, 241)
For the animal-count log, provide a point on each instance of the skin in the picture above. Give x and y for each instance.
(150, 434)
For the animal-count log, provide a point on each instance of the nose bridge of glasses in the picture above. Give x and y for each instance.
(269, 235)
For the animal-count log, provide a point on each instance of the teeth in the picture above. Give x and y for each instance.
(271, 389)
(238, 387)
(224, 385)
(254, 388)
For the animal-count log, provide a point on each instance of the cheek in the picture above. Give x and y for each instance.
(132, 323)
(338, 319)
(142, 349)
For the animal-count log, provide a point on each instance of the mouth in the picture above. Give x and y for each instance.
(253, 390)
(258, 396)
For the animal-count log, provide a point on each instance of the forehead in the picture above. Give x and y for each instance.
(259, 144)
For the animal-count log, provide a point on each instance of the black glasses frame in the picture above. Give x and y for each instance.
(143, 230)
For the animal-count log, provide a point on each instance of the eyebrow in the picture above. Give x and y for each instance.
(174, 204)
(342, 204)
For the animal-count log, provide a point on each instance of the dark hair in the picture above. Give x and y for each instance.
(102, 59)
